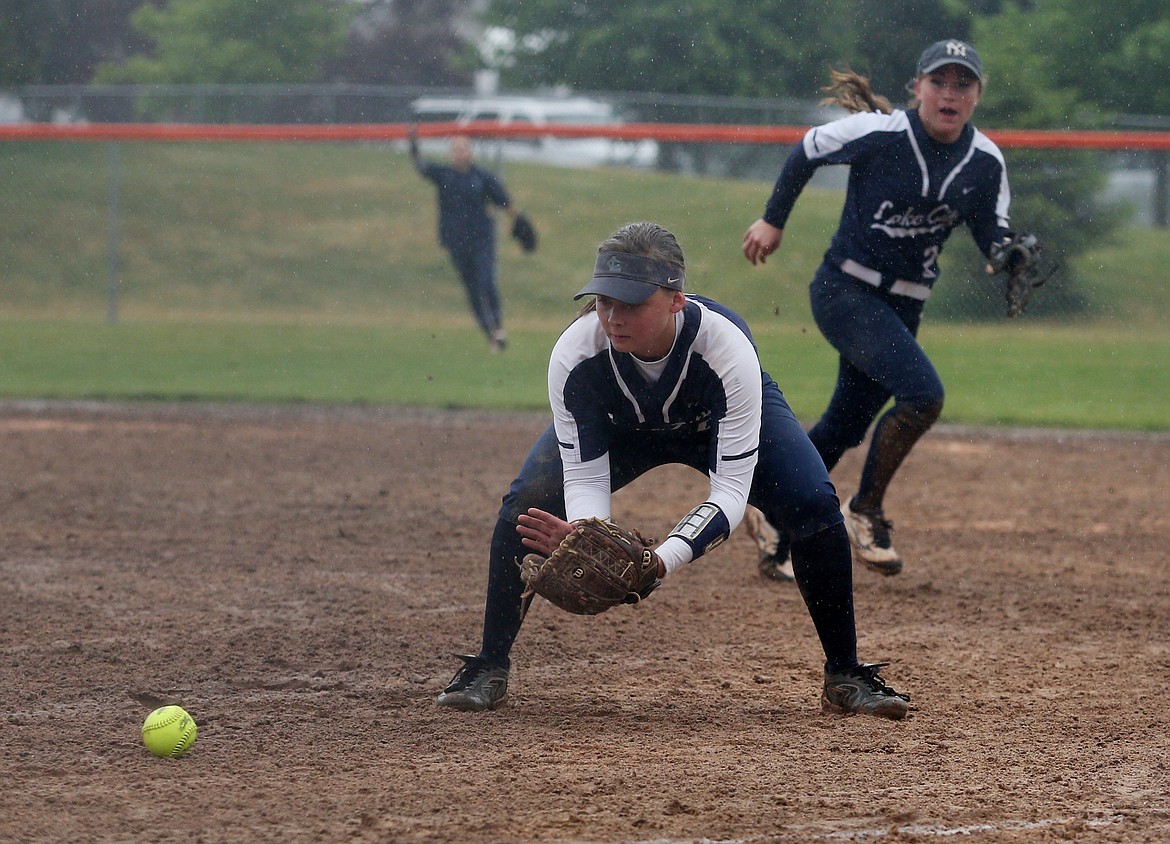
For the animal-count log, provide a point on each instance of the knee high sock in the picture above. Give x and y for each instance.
(893, 437)
(504, 609)
(823, 565)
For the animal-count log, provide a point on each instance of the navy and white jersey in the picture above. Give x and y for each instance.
(463, 199)
(906, 191)
(707, 391)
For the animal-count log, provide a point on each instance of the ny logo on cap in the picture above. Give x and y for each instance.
(614, 265)
(956, 48)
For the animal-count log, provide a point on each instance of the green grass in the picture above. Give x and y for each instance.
(224, 361)
(1032, 376)
(310, 272)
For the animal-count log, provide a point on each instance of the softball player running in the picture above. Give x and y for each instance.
(915, 175)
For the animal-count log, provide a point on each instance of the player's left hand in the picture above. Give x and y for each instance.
(1018, 257)
(543, 532)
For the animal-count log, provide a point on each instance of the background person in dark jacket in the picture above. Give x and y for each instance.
(467, 230)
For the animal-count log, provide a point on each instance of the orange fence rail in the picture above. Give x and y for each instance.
(666, 132)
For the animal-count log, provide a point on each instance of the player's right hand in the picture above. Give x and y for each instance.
(761, 240)
(542, 531)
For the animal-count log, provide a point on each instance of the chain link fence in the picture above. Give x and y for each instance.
(1140, 179)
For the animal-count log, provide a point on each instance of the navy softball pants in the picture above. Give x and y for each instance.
(791, 486)
(476, 264)
(874, 333)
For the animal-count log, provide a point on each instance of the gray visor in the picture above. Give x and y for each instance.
(631, 278)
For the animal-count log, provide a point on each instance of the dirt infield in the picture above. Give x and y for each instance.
(297, 578)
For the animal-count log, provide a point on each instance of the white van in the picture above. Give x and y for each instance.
(538, 111)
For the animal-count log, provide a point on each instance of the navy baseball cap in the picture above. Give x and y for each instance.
(631, 278)
(941, 53)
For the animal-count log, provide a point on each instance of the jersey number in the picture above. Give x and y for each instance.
(930, 262)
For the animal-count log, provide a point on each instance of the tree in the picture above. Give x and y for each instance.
(60, 42)
(1102, 59)
(775, 48)
(234, 41)
(407, 42)
(891, 34)
(24, 29)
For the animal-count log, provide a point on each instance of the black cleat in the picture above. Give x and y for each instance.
(476, 687)
(861, 690)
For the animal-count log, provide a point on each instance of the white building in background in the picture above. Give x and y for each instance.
(11, 109)
(537, 112)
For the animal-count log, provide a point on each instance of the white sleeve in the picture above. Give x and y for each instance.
(674, 553)
(587, 491)
(827, 141)
(586, 483)
(738, 441)
(730, 488)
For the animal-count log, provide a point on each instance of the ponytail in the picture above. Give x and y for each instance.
(850, 90)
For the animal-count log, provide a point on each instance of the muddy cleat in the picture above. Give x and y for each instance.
(861, 691)
(498, 340)
(869, 533)
(776, 567)
(775, 561)
(476, 687)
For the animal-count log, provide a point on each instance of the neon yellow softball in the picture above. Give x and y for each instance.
(168, 732)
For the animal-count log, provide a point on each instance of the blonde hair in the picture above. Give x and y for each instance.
(649, 240)
(852, 92)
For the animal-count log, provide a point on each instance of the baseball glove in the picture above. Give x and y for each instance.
(1018, 256)
(597, 566)
(523, 232)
